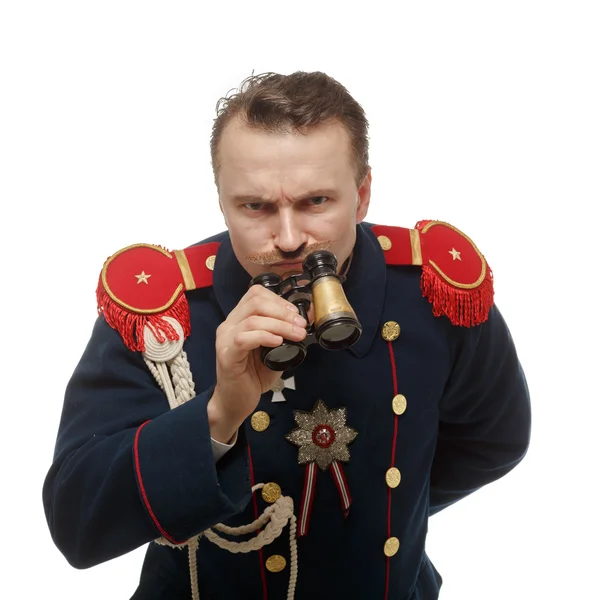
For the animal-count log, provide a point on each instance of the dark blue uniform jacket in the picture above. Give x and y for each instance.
(466, 423)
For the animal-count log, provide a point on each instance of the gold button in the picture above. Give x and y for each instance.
(275, 563)
(391, 546)
(271, 492)
(392, 477)
(210, 262)
(384, 242)
(390, 331)
(260, 420)
(399, 404)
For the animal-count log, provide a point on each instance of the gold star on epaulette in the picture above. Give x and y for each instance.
(142, 278)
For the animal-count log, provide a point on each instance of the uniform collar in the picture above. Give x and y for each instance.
(364, 286)
(230, 279)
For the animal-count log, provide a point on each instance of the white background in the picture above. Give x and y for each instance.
(483, 114)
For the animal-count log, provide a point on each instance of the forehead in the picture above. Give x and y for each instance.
(255, 161)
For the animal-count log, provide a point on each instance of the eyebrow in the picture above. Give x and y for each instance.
(243, 198)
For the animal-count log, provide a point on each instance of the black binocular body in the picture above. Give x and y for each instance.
(335, 324)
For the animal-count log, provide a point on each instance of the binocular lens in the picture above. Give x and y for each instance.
(339, 334)
(284, 357)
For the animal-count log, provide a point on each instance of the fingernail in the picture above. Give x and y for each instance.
(292, 307)
(299, 321)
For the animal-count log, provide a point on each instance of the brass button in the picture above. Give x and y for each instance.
(391, 546)
(384, 242)
(390, 331)
(260, 420)
(210, 262)
(271, 492)
(392, 477)
(275, 563)
(399, 404)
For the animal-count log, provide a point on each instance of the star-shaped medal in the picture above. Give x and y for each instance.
(322, 435)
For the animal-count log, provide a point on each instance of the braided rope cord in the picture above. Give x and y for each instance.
(174, 377)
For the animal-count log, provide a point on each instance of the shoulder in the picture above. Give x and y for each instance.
(141, 289)
(455, 276)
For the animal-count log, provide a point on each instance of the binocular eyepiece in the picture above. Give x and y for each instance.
(335, 325)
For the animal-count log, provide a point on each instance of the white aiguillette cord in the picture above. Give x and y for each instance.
(169, 365)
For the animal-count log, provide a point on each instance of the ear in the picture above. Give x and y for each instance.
(364, 198)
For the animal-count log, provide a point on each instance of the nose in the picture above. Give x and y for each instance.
(289, 236)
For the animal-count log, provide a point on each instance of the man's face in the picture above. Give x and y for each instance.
(285, 195)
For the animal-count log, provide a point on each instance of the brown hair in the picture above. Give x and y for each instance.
(276, 103)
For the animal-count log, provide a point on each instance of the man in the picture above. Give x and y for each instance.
(317, 481)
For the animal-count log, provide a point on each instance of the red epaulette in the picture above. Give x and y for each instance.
(141, 284)
(455, 278)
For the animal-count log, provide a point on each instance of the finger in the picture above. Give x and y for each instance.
(272, 325)
(262, 293)
(239, 346)
(268, 304)
(254, 332)
(246, 341)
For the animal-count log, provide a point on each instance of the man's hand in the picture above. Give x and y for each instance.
(261, 318)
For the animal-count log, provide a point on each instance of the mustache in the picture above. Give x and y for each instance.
(275, 256)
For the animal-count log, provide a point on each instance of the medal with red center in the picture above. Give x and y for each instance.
(322, 437)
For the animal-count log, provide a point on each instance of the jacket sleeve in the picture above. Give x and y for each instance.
(126, 468)
(485, 414)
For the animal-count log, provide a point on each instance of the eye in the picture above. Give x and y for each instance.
(317, 200)
(253, 206)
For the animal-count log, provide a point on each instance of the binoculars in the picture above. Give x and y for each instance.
(335, 325)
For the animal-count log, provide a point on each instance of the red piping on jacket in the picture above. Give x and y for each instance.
(263, 575)
(389, 512)
(138, 473)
